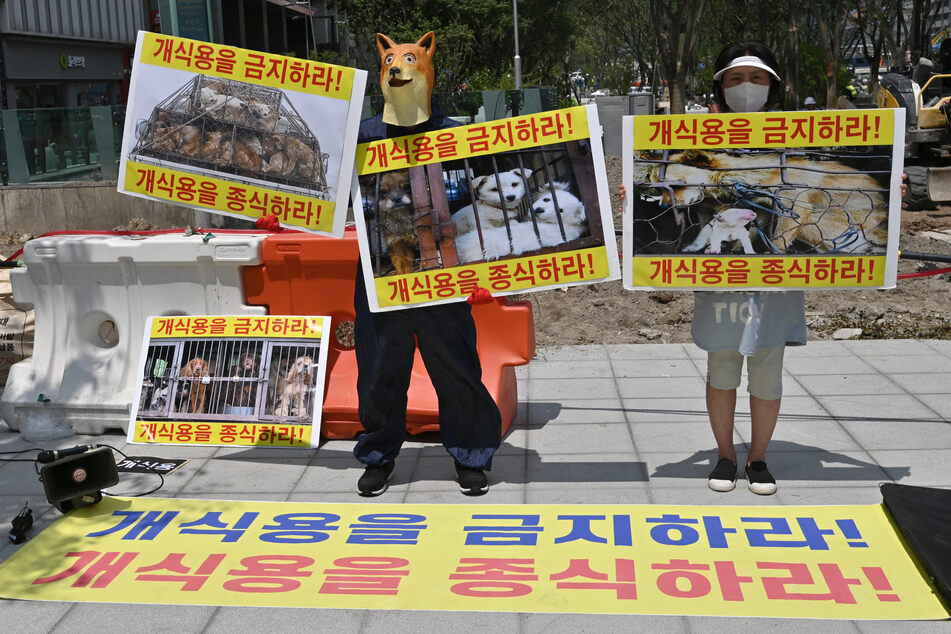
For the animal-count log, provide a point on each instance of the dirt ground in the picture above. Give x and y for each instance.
(606, 313)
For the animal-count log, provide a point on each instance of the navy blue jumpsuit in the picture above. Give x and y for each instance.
(469, 420)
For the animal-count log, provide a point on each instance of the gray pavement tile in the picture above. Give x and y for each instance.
(680, 468)
(581, 623)
(661, 368)
(388, 622)
(264, 475)
(454, 496)
(669, 436)
(897, 409)
(393, 495)
(574, 369)
(659, 387)
(558, 438)
(885, 435)
(560, 411)
(807, 469)
(820, 349)
(731, 625)
(570, 353)
(799, 408)
(940, 404)
(941, 345)
(805, 365)
(31, 617)
(649, 351)
(558, 389)
(829, 494)
(918, 467)
(234, 620)
(439, 474)
(627, 494)
(134, 618)
(903, 364)
(902, 627)
(930, 383)
(674, 410)
(865, 347)
(806, 435)
(584, 470)
(239, 497)
(848, 384)
(698, 493)
(336, 474)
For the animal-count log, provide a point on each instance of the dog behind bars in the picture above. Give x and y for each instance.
(294, 401)
(396, 218)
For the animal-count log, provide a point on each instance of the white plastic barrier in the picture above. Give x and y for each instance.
(92, 295)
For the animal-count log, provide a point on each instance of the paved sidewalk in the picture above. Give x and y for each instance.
(596, 425)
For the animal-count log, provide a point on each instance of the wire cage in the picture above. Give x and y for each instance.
(520, 203)
(804, 202)
(234, 127)
(230, 380)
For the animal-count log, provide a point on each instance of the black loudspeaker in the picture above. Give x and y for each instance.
(77, 481)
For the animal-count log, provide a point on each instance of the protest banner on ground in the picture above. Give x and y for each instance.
(231, 381)
(822, 562)
(240, 132)
(513, 205)
(766, 200)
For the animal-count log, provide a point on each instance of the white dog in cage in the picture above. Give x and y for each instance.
(510, 187)
(572, 212)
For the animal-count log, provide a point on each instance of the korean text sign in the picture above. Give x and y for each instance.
(231, 381)
(830, 562)
(766, 200)
(240, 132)
(512, 206)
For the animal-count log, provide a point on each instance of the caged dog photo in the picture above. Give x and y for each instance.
(230, 380)
(512, 204)
(760, 202)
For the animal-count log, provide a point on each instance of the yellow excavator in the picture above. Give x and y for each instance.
(927, 134)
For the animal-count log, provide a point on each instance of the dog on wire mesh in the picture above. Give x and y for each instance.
(491, 194)
(194, 385)
(294, 401)
(831, 206)
(395, 206)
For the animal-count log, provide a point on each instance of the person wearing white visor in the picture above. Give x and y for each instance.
(751, 326)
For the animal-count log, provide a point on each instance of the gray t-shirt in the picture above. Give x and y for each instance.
(748, 321)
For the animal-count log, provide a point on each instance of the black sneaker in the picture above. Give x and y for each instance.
(759, 479)
(472, 481)
(723, 476)
(374, 479)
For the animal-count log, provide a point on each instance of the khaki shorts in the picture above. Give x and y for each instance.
(764, 370)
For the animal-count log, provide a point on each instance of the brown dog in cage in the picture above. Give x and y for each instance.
(396, 219)
(193, 388)
(244, 391)
(834, 207)
(293, 400)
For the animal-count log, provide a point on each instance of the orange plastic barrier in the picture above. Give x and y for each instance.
(305, 274)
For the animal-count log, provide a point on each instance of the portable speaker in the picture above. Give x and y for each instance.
(77, 481)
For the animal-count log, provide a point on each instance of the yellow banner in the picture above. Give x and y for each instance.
(255, 67)
(554, 269)
(293, 210)
(828, 562)
(266, 326)
(480, 139)
(764, 130)
(175, 432)
(763, 272)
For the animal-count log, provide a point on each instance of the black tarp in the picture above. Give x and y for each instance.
(923, 516)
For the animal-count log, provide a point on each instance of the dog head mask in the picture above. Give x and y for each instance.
(406, 77)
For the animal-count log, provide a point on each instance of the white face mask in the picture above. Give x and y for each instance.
(746, 97)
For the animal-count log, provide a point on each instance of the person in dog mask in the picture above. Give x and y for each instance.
(470, 423)
(753, 325)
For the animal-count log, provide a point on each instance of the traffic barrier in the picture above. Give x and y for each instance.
(304, 274)
(92, 295)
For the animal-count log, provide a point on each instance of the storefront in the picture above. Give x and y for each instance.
(63, 73)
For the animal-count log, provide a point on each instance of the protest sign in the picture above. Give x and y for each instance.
(240, 132)
(231, 381)
(513, 205)
(766, 200)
